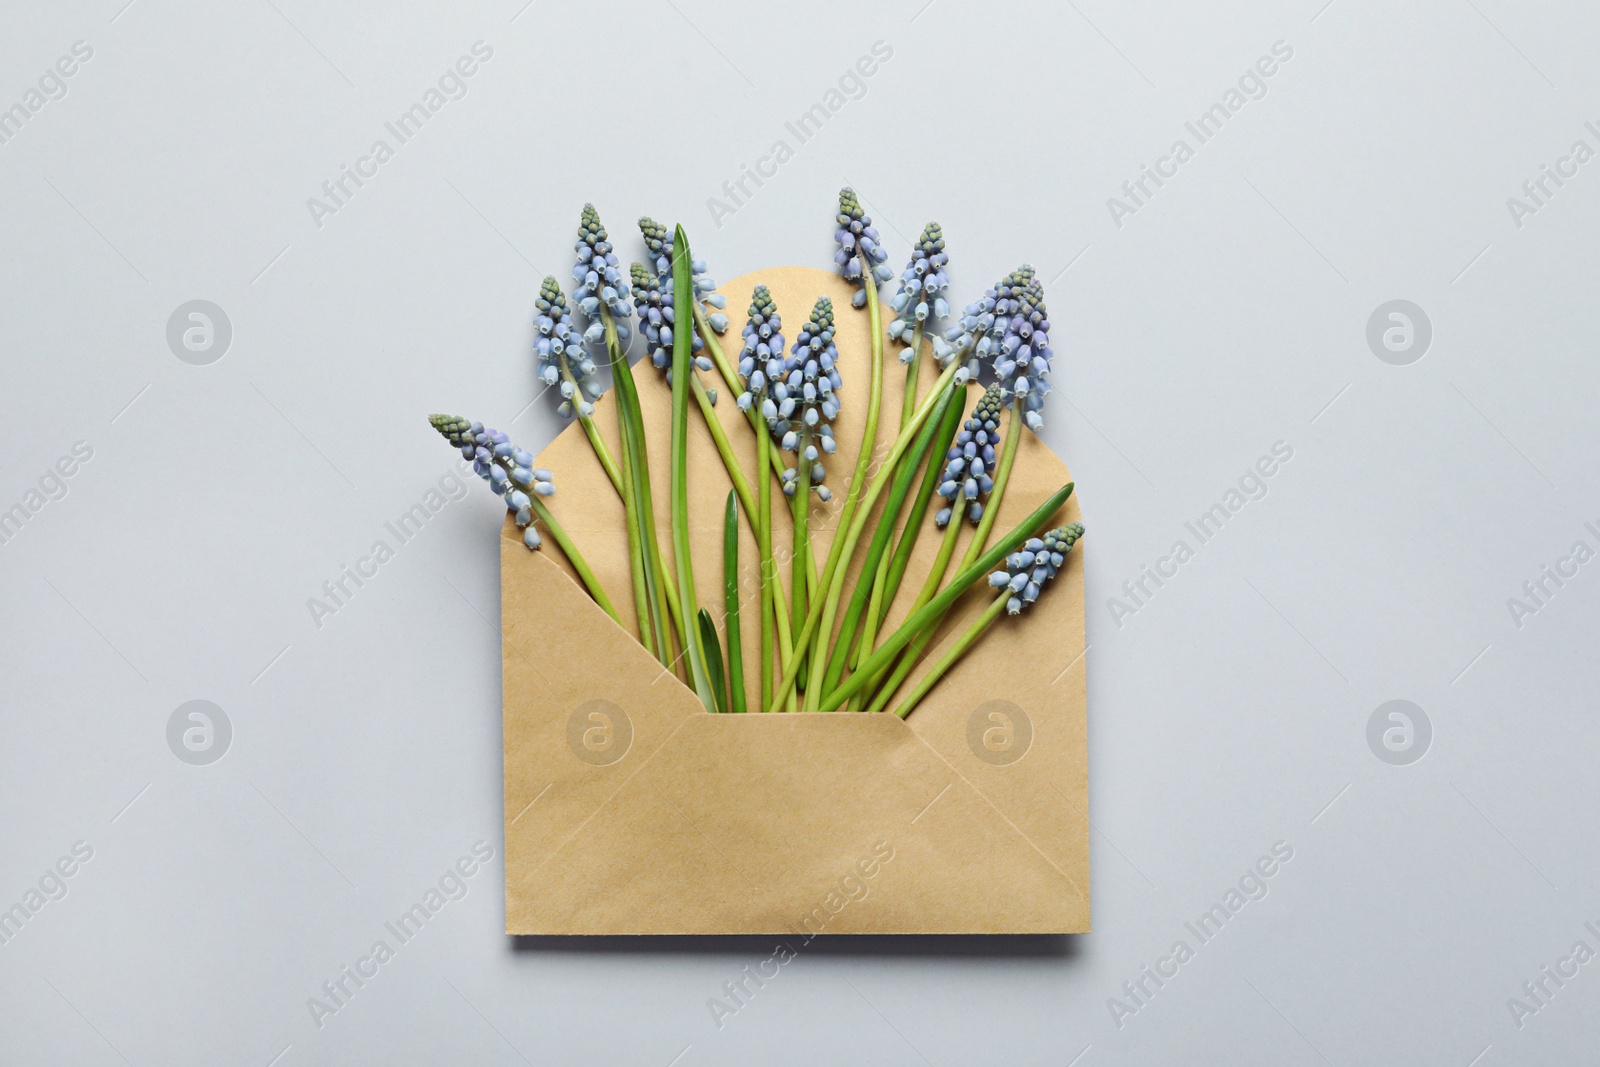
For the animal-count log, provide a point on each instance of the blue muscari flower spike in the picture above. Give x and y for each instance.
(859, 251)
(969, 466)
(809, 398)
(600, 280)
(509, 470)
(920, 298)
(1022, 358)
(654, 308)
(977, 334)
(761, 362)
(557, 344)
(1034, 564)
(658, 242)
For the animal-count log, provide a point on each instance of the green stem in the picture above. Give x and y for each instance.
(730, 593)
(802, 538)
(682, 341)
(773, 586)
(880, 578)
(574, 557)
(641, 588)
(669, 594)
(804, 554)
(602, 453)
(719, 437)
(791, 669)
(941, 603)
(620, 482)
(956, 651)
(937, 454)
(869, 623)
(877, 560)
(613, 471)
(908, 403)
(764, 551)
(869, 442)
(941, 564)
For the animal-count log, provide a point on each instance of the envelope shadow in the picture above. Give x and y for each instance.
(971, 946)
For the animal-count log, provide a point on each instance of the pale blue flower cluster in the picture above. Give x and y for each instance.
(509, 470)
(807, 400)
(976, 335)
(859, 251)
(920, 299)
(658, 241)
(761, 362)
(654, 308)
(599, 279)
(559, 347)
(1022, 360)
(1034, 564)
(967, 471)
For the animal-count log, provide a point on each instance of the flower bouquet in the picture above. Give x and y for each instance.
(804, 507)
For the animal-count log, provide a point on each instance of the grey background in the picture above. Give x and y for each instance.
(1229, 313)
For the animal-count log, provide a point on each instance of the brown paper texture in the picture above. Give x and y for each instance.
(629, 810)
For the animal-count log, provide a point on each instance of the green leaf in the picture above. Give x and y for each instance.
(682, 343)
(713, 652)
(730, 584)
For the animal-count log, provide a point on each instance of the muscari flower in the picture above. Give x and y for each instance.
(657, 310)
(808, 402)
(761, 362)
(556, 342)
(1034, 564)
(599, 278)
(859, 251)
(654, 308)
(509, 470)
(970, 461)
(920, 298)
(658, 241)
(984, 320)
(1022, 360)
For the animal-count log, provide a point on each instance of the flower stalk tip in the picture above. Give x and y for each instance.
(561, 357)
(807, 401)
(599, 278)
(859, 255)
(1022, 357)
(761, 362)
(969, 466)
(1029, 568)
(919, 301)
(509, 470)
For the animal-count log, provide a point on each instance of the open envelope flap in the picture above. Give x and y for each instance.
(584, 703)
(630, 810)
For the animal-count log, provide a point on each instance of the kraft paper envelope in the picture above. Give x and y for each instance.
(629, 810)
